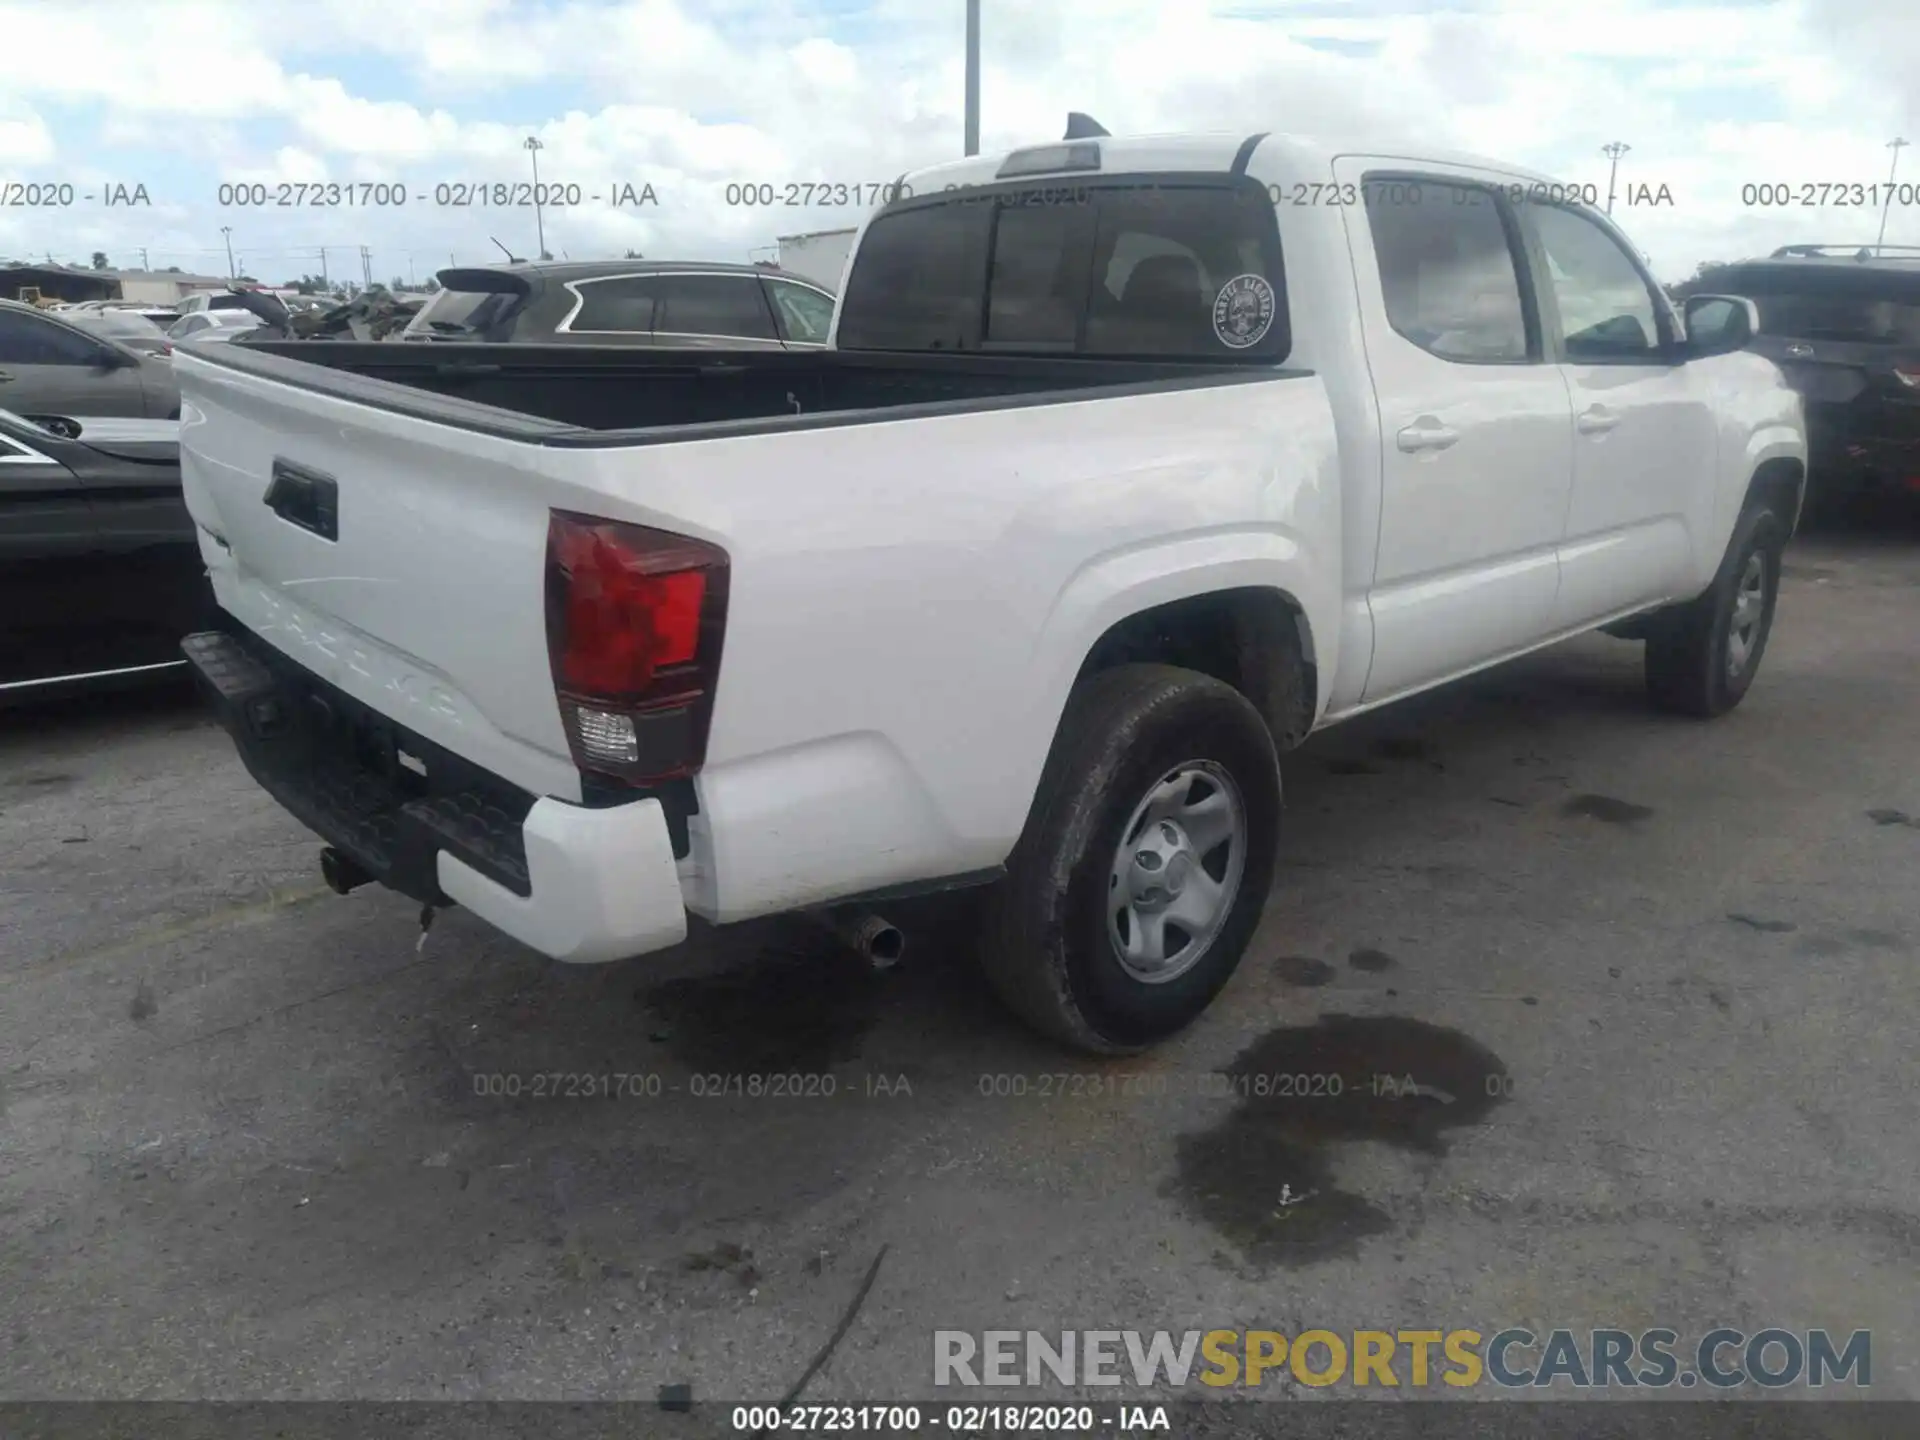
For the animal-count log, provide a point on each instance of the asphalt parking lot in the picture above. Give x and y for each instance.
(1665, 971)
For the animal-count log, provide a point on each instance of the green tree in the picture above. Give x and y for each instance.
(100, 261)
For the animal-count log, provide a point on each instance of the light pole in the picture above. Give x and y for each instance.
(1896, 145)
(1613, 149)
(534, 148)
(973, 77)
(227, 230)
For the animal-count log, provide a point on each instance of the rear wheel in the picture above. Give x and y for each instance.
(1702, 657)
(1145, 864)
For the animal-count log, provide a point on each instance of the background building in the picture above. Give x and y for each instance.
(72, 282)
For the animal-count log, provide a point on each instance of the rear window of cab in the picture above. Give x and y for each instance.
(1177, 268)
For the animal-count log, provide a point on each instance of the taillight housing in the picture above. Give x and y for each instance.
(1907, 376)
(634, 623)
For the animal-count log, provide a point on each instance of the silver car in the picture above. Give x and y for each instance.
(129, 327)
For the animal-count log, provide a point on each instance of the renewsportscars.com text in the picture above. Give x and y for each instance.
(1721, 1358)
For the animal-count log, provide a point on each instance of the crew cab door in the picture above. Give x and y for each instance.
(1646, 437)
(1476, 427)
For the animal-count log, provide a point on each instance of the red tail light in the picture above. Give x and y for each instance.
(634, 622)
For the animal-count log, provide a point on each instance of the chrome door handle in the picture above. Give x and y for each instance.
(1800, 352)
(1596, 421)
(1434, 436)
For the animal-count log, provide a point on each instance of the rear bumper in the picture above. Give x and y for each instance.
(576, 883)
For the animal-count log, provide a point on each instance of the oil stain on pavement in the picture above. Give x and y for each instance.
(1606, 808)
(1303, 970)
(49, 783)
(1263, 1176)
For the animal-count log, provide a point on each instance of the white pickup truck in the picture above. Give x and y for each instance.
(1131, 462)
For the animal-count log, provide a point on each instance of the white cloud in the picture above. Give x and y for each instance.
(25, 139)
(691, 96)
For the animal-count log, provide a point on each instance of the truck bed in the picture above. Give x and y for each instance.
(574, 395)
(905, 580)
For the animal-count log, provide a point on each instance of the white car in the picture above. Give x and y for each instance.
(201, 302)
(212, 325)
(1028, 581)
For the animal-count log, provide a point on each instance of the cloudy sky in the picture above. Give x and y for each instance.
(182, 96)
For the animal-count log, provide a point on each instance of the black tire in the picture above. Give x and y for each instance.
(1688, 651)
(1044, 937)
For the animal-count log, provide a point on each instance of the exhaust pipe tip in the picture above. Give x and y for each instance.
(883, 943)
(875, 939)
(341, 873)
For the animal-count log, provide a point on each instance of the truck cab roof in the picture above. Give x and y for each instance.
(1205, 152)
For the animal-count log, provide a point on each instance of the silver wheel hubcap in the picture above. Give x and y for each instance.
(1749, 608)
(1176, 872)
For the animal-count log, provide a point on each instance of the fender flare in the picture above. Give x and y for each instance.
(1114, 587)
(1769, 450)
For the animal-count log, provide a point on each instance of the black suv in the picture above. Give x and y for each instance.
(1843, 324)
(678, 305)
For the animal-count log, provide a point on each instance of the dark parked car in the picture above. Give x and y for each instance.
(51, 366)
(669, 304)
(1843, 324)
(100, 569)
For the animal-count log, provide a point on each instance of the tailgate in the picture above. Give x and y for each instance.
(401, 559)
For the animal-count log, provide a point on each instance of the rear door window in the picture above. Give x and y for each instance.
(1447, 270)
(1181, 269)
(713, 305)
(621, 305)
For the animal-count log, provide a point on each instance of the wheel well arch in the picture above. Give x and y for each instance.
(1781, 478)
(1255, 638)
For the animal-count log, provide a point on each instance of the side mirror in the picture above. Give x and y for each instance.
(1719, 324)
